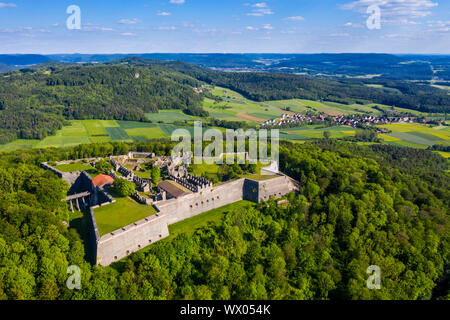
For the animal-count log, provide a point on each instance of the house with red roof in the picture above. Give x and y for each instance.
(102, 180)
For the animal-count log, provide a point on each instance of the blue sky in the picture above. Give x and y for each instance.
(285, 26)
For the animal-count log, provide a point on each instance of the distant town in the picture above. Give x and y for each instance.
(355, 121)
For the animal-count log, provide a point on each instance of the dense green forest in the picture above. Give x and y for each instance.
(358, 206)
(35, 102)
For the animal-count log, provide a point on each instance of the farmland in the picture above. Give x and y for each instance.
(416, 135)
(235, 107)
(96, 131)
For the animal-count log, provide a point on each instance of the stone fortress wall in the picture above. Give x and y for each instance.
(119, 244)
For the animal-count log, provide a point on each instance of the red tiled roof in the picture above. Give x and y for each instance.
(101, 180)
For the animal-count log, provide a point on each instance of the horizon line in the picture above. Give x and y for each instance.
(222, 53)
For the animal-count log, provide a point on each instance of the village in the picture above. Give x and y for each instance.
(355, 121)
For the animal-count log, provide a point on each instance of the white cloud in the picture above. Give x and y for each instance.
(127, 34)
(7, 5)
(95, 27)
(268, 27)
(260, 12)
(339, 35)
(260, 9)
(295, 18)
(439, 26)
(177, 1)
(129, 21)
(353, 25)
(163, 13)
(260, 5)
(250, 28)
(167, 28)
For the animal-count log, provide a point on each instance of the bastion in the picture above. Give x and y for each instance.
(120, 243)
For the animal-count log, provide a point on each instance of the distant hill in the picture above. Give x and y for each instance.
(35, 101)
(264, 86)
(5, 67)
(387, 66)
(353, 65)
(22, 59)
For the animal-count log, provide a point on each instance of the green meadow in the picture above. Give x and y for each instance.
(122, 213)
(235, 107)
(169, 116)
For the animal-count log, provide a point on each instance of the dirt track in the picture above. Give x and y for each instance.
(248, 117)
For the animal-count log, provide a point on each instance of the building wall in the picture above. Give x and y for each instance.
(276, 187)
(196, 203)
(123, 242)
(118, 244)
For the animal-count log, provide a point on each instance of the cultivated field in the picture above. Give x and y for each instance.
(416, 135)
(97, 131)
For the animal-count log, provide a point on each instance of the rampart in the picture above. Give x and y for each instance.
(123, 242)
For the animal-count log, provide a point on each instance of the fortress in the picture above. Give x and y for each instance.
(118, 244)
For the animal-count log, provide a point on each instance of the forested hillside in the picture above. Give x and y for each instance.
(34, 102)
(259, 86)
(358, 206)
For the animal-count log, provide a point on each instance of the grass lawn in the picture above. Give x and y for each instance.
(19, 144)
(144, 175)
(211, 171)
(122, 213)
(310, 132)
(148, 133)
(168, 116)
(234, 104)
(259, 177)
(95, 128)
(74, 167)
(189, 226)
(117, 134)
